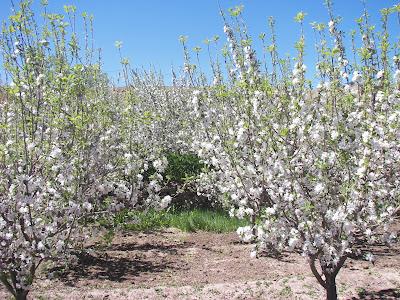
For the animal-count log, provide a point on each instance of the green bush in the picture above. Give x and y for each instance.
(182, 167)
(181, 173)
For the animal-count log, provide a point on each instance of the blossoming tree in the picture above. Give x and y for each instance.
(319, 168)
(69, 151)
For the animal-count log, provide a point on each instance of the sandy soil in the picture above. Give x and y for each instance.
(171, 264)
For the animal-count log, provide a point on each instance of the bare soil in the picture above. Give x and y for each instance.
(171, 264)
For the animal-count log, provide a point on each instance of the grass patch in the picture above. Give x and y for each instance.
(189, 221)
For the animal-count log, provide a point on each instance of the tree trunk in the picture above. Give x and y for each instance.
(21, 294)
(253, 223)
(330, 281)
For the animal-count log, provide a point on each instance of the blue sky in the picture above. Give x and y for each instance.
(150, 29)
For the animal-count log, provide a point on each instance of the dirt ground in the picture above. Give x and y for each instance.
(171, 264)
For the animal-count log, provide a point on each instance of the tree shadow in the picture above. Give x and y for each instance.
(377, 249)
(159, 247)
(387, 294)
(105, 267)
(280, 256)
(271, 253)
(120, 262)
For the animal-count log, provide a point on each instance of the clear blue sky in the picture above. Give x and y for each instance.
(150, 29)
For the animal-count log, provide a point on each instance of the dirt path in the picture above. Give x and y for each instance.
(174, 265)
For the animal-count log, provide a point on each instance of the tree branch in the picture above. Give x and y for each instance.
(316, 273)
(3, 279)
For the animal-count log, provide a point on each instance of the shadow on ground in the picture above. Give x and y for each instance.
(112, 268)
(388, 294)
(121, 262)
(171, 249)
(377, 249)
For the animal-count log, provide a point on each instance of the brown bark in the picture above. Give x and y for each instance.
(329, 280)
(331, 292)
(21, 294)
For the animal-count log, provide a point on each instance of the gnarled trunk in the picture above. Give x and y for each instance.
(329, 280)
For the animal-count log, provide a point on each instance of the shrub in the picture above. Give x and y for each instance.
(182, 167)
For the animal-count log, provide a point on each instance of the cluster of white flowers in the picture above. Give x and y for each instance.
(298, 73)
(245, 233)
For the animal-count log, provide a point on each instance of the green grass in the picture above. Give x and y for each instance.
(189, 221)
